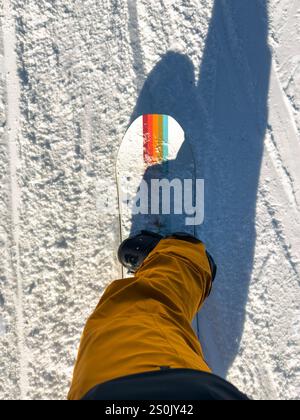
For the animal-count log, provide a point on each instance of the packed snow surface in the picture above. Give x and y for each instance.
(73, 75)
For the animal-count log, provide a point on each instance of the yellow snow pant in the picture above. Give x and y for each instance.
(144, 323)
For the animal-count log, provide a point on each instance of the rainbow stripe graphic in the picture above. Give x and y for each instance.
(156, 138)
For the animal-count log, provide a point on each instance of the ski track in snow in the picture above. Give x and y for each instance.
(81, 70)
(12, 131)
(137, 54)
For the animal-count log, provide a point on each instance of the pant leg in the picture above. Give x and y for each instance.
(144, 323)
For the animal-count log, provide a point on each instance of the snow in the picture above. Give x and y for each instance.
(72, 76)
(2, 327)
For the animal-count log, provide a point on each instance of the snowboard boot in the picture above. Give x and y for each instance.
(133, 251)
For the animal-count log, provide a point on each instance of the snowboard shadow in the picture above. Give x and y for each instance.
(224, 115)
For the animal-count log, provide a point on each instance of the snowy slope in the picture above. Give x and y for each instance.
(73, 75)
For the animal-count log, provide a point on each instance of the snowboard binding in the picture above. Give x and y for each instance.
(133, 251)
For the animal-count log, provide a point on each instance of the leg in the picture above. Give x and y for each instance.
(144, 323)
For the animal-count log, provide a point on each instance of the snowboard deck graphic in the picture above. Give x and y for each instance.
(154, 148)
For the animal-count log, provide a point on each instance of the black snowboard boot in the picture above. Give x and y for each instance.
(133, 252)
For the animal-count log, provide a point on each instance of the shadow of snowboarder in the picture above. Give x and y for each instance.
(224, 116)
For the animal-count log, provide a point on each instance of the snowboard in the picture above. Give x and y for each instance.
(153, 151)
(155, 171)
